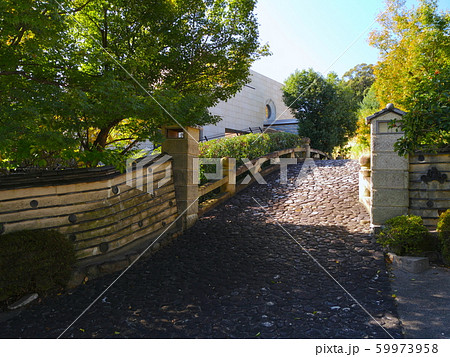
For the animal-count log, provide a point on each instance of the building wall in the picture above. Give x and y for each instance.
(248, 107)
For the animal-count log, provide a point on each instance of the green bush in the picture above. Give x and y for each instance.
(34, 261)
(443, 228)
(405, 235)
(250, 146)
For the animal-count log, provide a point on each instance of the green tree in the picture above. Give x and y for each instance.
(325, 108)
(367, 107)
(360, 78)
(87, 80)
(414, 72)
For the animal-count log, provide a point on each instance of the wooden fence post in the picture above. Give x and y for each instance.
(229, 170)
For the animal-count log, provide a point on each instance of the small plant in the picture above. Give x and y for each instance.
(443, 227)
(405, 235)
(34, 261)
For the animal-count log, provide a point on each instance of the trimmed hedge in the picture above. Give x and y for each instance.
(406, 235)
(34, 261)
(250, 146)
(443, 227)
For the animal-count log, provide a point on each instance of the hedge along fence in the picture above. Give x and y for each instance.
(105, 216)
(259, 149)
(250, 146)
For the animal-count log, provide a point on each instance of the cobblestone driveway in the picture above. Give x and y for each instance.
(236, 274)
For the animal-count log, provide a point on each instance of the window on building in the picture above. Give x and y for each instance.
(268, 111)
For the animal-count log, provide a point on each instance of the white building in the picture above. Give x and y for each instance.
(259, 103)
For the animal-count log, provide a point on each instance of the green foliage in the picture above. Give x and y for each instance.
(325, 108)
(414, 72)
(367, 107)
(250, 146)
(85, 81)
(34, 261)
(443, 228)
(359, 79)
(405, 235)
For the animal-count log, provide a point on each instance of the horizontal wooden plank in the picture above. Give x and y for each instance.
(430, 158)
(61, 222)
(430, 213)
(126, 227)
(86, 187)
(153, 233)
(78, 208)
(91, 222)
(211, 186)
(428, 194)
(423, 168)
(423, 204)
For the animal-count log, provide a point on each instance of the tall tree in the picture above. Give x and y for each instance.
(88, 79)
(325, 108)
(360, 78)
(367, 107)
(414, 72)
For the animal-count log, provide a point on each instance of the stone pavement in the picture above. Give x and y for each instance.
(424, 302)
(237, 274)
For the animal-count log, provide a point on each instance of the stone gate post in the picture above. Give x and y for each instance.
(390, 179)
(182, 145)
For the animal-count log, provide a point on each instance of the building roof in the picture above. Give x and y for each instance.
(281, 122)
(389, 108)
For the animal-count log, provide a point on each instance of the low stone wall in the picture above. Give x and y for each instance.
(429, 186)
(106, 217)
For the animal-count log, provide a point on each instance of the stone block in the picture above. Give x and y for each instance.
(390, 179)
(384, 143)
(381, 214)
(389, 161)
(387, 197)
(76, 279)
(113, 266)
(410, 264)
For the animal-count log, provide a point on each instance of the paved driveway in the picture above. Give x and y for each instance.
(238, 274)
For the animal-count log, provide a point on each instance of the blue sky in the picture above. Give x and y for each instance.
(306, 34)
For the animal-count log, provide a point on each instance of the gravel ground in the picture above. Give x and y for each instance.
(238, 274)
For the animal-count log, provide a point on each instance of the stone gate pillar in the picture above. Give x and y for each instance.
(182, 145)
(390, 179)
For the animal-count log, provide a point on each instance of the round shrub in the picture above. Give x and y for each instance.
(443, 228)
(34, 261)
(405, 235)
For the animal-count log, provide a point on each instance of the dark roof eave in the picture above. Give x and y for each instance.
(389, 108)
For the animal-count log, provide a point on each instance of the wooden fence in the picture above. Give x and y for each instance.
(100, 210)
